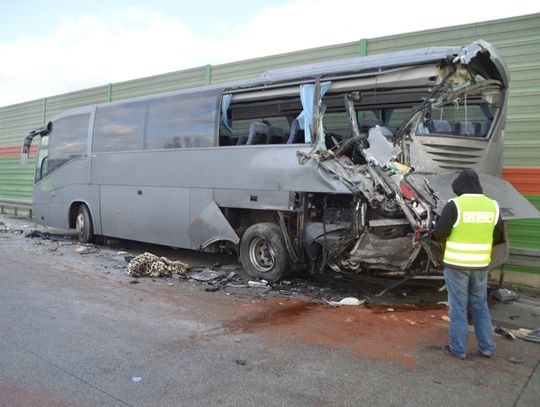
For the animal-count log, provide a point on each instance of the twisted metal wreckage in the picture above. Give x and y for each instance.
(396, 196)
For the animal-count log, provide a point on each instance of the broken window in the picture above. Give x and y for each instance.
(259, 120)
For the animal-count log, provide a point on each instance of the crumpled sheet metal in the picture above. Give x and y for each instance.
(353, 176)
(380, 151)
(150, 265)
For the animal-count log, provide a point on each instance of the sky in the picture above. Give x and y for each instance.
(58, 46)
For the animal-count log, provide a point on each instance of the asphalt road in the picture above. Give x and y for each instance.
(75, 332)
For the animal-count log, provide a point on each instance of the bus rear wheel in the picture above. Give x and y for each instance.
(83, 225)
(263, 252)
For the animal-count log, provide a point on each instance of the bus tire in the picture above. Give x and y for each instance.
(263, 253)
(83, 225)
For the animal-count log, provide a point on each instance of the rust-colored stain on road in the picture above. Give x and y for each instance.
(382, 333)
(14, 395)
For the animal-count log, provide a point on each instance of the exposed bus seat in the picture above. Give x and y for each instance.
(440, 126)
(481, 129)
(258, 132)
(464, 129)
(241, 140)
(276, 135)
(297, 134)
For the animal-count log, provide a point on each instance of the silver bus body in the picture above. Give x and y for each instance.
(342, 164)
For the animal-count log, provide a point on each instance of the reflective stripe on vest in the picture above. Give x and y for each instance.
(470, 242)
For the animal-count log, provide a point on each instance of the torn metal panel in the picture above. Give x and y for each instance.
(210, 227)
(382, 252)
(355, 177)
(472, 55)
(512, 204)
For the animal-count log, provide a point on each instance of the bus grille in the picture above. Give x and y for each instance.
(454, 157)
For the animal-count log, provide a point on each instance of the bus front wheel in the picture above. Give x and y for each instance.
(83, 225)
(263, 252)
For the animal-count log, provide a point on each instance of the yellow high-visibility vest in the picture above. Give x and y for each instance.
(470, 242)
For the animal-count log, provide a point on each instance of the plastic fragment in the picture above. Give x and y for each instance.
(262, 283)
(346, 301)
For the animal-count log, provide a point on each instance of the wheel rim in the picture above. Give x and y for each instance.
(79, 224)
(261, 254)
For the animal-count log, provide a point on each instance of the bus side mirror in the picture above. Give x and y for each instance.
(40, 131)
(25, 151)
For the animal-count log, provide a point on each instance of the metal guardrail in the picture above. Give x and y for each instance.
(524, 258)
(15, 205)
(520, 257)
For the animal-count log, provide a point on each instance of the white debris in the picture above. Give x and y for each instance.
(346, 301)
(262, 283)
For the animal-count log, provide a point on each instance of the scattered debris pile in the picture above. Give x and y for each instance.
(150, 265)
(504, 295)
(531, 335)
(4, 228)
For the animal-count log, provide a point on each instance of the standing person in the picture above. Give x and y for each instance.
(470, 224)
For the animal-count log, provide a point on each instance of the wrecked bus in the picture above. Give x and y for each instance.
(342, 164)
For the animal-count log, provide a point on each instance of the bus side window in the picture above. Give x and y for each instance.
(181, 122)
(42, 159)
(44, 169)
(67, 140)
(119, 127)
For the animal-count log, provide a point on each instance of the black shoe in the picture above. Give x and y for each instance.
(446, 349)
(485, 354)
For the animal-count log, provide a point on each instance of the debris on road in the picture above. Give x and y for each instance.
(37, 234)
(4, 228)
(504, 295)
(508, 334)
(85, 249)
(515, 361)
(241, 362)
(531, 335)
(221, 284)
(345, 301)
(258, 284)
(150, 265)
(207, 275)
(136, 379)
